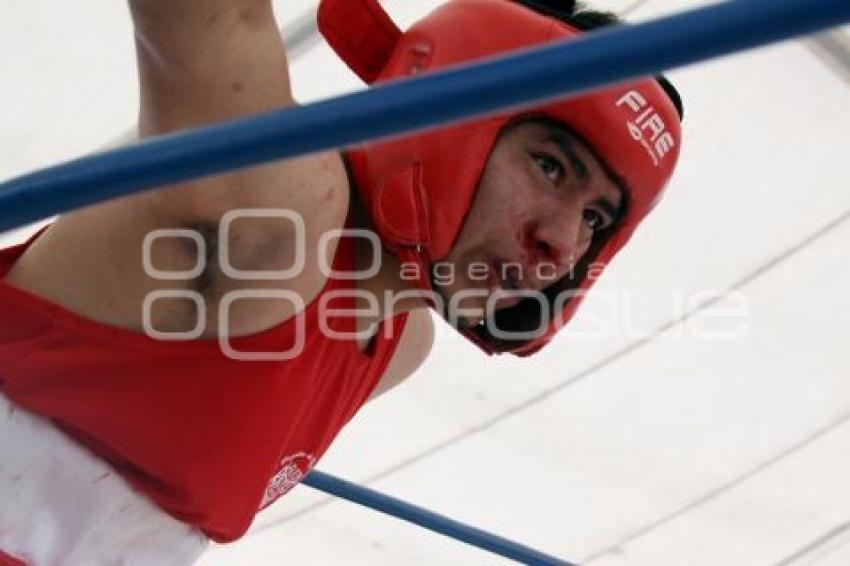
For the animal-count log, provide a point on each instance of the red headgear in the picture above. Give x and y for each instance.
(418, 189)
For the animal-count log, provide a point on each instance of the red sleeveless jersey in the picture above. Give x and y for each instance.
(210, 439)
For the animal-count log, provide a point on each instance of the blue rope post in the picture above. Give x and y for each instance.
(429, 520)
(525, 78)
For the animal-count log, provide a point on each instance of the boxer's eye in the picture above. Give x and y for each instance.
(550, 167)
(596, 220)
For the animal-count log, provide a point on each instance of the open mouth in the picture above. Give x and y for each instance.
(504, 277)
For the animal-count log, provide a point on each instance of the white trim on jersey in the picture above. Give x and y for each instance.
(63, 505)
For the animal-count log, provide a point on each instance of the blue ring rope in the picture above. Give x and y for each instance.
(555, 70)
(429, 520)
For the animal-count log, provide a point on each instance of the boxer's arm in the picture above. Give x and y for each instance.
(206, 61)
(203, 61)
(413, 348)
(200, 62)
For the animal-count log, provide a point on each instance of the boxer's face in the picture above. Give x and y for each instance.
(541, 197)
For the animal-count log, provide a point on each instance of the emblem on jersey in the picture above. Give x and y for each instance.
(291, 470)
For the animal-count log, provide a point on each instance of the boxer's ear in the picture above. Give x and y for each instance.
(361, 33)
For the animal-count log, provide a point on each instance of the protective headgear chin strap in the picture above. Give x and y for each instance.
(418, 189)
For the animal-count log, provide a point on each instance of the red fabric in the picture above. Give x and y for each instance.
(362, 31)
(6, 560)
(209, 439)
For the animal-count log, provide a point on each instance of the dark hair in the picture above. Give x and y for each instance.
(579, 16)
